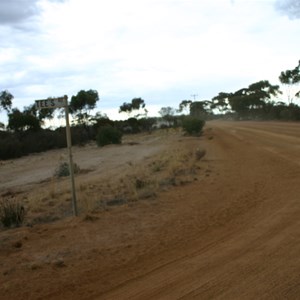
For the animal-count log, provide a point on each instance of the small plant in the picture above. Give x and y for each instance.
(157, 166)
(12, 213)
(139, 183)
(108, 135)
(64, 170)
(193, 126)
(199, 153)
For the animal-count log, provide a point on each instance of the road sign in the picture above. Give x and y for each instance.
(63, 102)
(51, 103)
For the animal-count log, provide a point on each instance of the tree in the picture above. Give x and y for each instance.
(82, 104)
(6, 100)
(22, 121)
(200, 109)
(221, 101)
(46, 113)
(146, 124)
(40, 114)
(100, 119)
(168, 114)
(252, 98)
(135, 105)
(185, 105)
(290, 78)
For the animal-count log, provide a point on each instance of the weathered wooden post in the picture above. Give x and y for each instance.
(63, 102)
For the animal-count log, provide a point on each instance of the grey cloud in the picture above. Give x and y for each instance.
(291, 8)
(14, 12)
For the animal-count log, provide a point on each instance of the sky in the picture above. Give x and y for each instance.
(163, 51)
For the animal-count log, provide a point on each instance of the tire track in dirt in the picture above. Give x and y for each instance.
(232, 234)
(241, 262)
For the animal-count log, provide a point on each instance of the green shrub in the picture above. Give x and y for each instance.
(12, 213)
(108, 135)
(63, 169)
(193, 126)
(10, 147)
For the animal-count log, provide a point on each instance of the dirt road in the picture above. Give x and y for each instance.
(233, 234)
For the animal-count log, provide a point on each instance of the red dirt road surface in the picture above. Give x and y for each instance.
(232, 234)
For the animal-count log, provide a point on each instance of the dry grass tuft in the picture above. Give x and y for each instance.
(142, 181)
(12, 212)
(90, 218)
(200, 153)
(137, 181)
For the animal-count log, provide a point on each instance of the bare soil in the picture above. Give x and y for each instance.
(224, 227)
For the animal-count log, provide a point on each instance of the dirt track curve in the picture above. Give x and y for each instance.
(235, 234)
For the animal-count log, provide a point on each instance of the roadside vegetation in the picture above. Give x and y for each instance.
(180, 163)
(25, 132)
(12, 212)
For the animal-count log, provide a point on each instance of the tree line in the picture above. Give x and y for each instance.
(259, 101)
(25, 134)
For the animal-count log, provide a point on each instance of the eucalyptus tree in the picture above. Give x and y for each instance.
(6, 100)
(40, 114)
(253, 98)
(82, 104)
(221, 102)
(246, 101)
(200, 109)
(168, 114)
(290, 79)
(185, 106)
(19, 121)
(136, 105)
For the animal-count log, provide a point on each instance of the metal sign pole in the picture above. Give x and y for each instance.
(69, 145)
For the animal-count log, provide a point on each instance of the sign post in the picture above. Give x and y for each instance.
(63, 102)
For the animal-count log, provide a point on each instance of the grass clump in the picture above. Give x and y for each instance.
(199, 153)
(64, 170)
(12, 213)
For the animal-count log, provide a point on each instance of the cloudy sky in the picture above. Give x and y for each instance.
(161, 50)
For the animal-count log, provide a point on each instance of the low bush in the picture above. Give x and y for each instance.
(11, 147)
(63, 169)
(108, 135)
(12, 213)
(192, 126)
